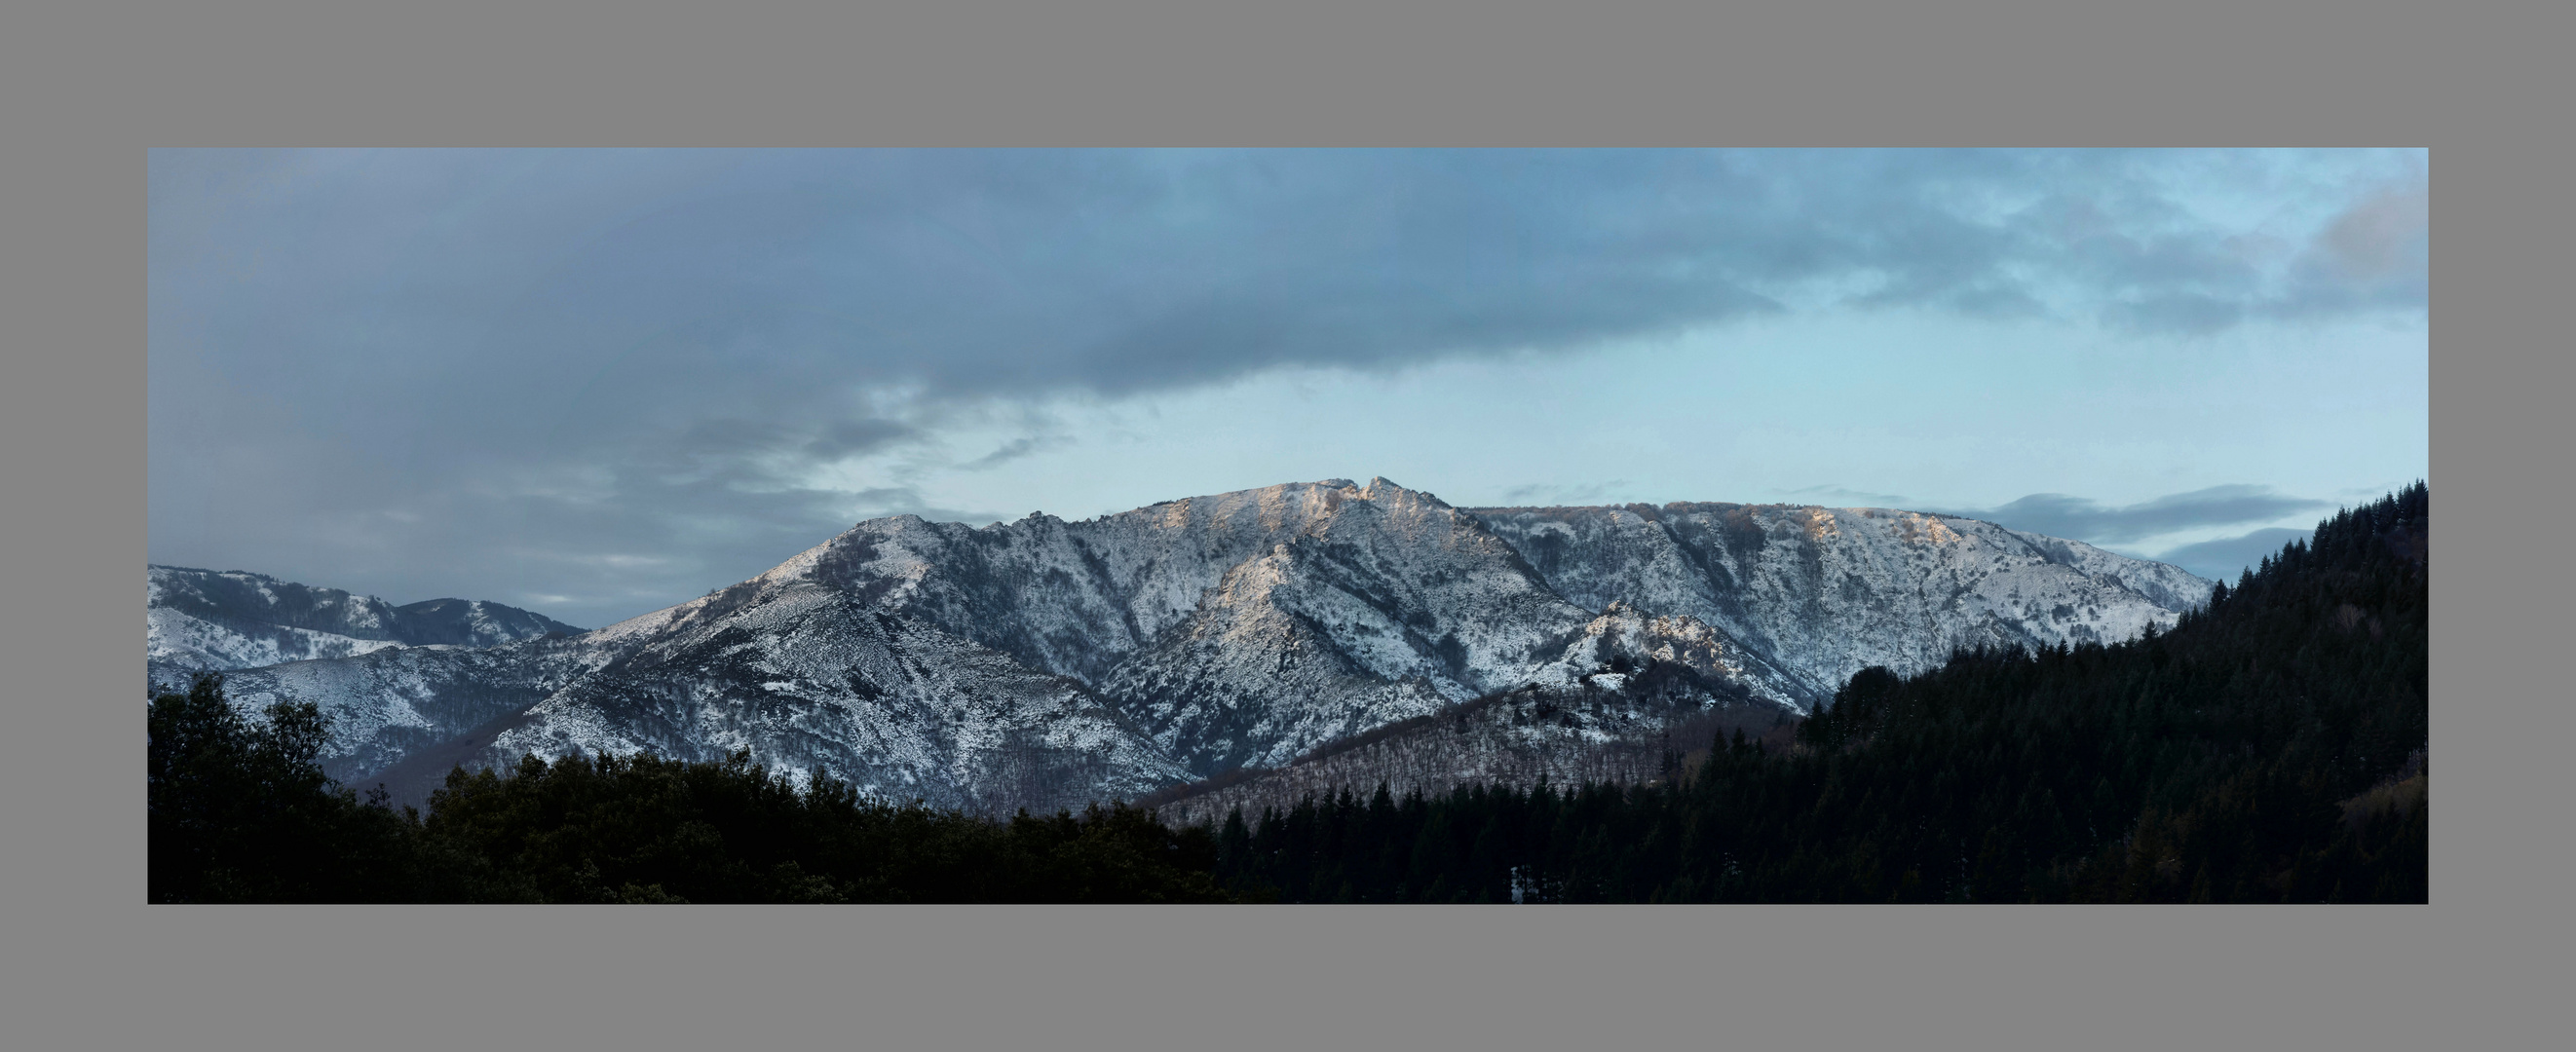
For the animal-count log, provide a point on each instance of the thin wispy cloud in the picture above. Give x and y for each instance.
(1014, 450)
(2226, 557)
(1843, 496)
(1562, 494)
(2093, 522)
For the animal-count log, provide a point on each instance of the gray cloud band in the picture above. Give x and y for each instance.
(2059, 515)
(979, 273)
(666, 343)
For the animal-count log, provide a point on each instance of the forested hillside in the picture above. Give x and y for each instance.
(240, 812)
(2270, 748)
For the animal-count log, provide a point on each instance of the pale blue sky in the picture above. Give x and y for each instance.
(593, 383)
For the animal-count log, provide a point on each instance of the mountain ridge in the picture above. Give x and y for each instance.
(214, 620)
(1043, 662)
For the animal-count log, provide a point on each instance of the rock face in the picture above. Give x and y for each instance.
(812, 680)
(1826, 592)
(209, 620)
(1044, 662)
(1237, 629)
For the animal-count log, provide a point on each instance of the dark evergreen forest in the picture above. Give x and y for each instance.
(240, 812)
(2269, 748)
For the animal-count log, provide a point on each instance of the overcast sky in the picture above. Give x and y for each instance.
(594, 383)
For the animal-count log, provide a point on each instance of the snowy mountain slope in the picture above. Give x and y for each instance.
(813, 681)
(1829, 591)
(1602, 727)
(1626, 638)
(1241, 628)
(470, 623)
(1045, 662)
(1258, 676)
(1385, 606)
(2163, 584)
(1632, 687)
(389, 703)
(1076, 598)
(209, 620)
(804, 675)
(180, 643)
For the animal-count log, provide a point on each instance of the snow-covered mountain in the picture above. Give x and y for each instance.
(1634, 690)
(210, 620)
(1045, 662)
(1827, 592)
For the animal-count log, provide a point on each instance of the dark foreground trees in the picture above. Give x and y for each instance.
(641, 829)
(240, 812)
(2270, 748)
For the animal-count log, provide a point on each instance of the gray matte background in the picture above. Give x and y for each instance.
(86, 89)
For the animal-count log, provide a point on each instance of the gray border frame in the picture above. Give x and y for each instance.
(88, 88)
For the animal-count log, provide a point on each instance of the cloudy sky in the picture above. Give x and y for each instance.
(594, 383)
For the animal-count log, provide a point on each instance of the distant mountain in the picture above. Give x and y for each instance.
(1046, 662)
(210, 620)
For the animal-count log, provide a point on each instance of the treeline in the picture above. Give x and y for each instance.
(2270, 748)
(240, 812)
